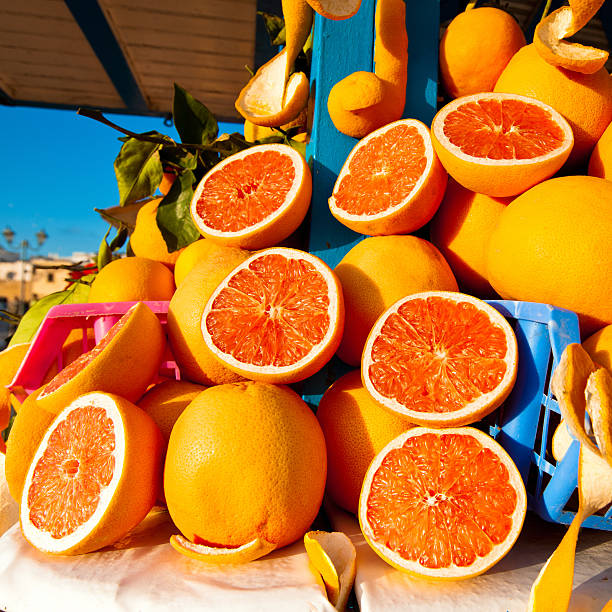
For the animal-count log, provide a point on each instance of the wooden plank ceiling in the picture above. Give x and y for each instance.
(125, 55)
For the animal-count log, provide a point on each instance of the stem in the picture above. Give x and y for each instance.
(546, 9)
(470, 5)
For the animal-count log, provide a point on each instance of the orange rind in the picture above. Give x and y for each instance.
(270, 101)
(335, 9)
(549, 41)
(298, 16)
(218, 555)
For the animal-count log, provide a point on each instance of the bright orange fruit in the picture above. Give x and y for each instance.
(442, 504)
(440, 358)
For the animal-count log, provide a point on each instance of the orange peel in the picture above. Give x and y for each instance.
(218, 555)
(267, 100)
(599, 406)
(298, 16)
(549, 41)
(362, 101)
(335, 9)
(332, 555)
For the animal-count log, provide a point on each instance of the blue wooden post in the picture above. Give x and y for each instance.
(340, 48)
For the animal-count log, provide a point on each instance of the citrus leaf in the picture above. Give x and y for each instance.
(178, 158)
(31, 320)
(173, 214)
(194, 122)
(138, 169)
(275, 26)
(105, 254)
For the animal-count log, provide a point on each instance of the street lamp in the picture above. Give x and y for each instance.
(24, 245)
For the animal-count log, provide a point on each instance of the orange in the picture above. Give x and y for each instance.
(461, 229)
(10, 360)
(131, 279)
(196, 362)
(201, 250)
(391, 183)
(550, 246)
(298, 18)
(165, 402)
(277, 317)
(246, 462)
(147, 240)
(356, 428)
(440, 358)
(93, 478)
(475, 48)
(168, 179)
(442, 504)
(585, 100)
(335, 9)
(500, 144)
(29, 426)
(548, 40)
(270, 99)
(124, 362)
(254, 198)
(599, 347)
(600, 162)
(365, 101)
(378, 271)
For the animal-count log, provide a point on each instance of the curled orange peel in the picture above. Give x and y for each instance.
(364, 101)
(552, 30)
(298, 16)
(217, 555)
(332, 556)
(270, 101)
(581, 388)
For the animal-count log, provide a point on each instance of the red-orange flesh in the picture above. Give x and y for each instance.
(76, 466)
(271, 313)
(441, 500)
(72, 369)
(246, 191)
(437, 355)
(383, 172)
(503, 129)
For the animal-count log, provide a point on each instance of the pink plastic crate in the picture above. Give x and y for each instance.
(46, 347)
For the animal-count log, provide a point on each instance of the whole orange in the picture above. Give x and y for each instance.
(132, 279)
(461, 229)
(147, 240)
(600, 162)
(551, 245)
(585, 100)
(475, 48)
(356, 428)
(377, 272)
(245, 460)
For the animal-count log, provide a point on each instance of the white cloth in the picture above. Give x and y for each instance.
(144, 573)
(505, 587)
(9, 511)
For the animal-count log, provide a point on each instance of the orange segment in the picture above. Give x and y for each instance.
(391, 183)
(500, 144)
(255, 198)
(440, 358)
(442, 503)
(277, 317)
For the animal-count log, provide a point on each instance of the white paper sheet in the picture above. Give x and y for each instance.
(505, 587)
(144, 573)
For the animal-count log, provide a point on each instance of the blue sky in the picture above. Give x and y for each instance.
(56, 167)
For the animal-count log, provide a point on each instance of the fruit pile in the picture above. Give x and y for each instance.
(492, 199)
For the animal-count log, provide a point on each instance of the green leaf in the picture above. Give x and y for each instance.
(7, 431)
(194, 122)
(178, 158)
(275, 26)
(31, 320)
(119, 240)
(105, 253)
(173, 215)
(138, 170)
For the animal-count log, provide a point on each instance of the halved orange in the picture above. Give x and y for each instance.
(95, 476)
(254, 198)
(392, 181)
(500, 144)
(278, 317)
(442, 503)
(440, 358)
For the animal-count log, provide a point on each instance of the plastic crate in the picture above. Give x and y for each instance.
(46, 346)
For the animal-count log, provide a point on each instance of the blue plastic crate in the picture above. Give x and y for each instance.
(524, 425)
